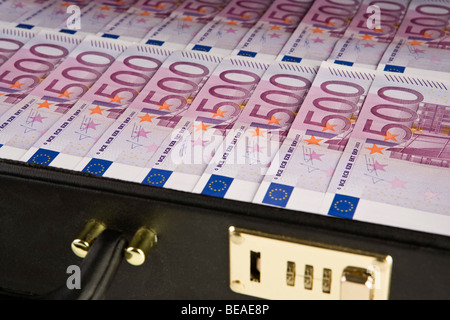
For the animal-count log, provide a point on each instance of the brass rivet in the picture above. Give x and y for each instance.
(235, 236)
(141, 244)
(81, 245)
(237, 286)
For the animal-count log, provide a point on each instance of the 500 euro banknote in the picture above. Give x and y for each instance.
(91, 16)
(129, 27)
(240, 163)
(176, 31)
(426, 23)
(24, 123)
(94, 17)
(422, 42)
(11, 40)
(31, 64)
(243, 13)
(155, 8)
(365, 42)
(396, 166)
(131, 141)
(185, 153)
(173, 33)
(49, 15)
(309, 155)
(73, 135)
(320, 29)
(202, 11)
(229, 26)
(12, 10)
(269, 35)
(139, 19)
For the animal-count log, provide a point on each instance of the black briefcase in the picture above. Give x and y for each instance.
(130, 241)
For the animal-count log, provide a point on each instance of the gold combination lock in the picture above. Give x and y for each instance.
(280, 268)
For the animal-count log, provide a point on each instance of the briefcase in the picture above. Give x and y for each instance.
(168, 244)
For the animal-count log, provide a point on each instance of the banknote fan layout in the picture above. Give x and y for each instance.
(331, 107)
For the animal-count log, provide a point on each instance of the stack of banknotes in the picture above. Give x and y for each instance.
(333, 107)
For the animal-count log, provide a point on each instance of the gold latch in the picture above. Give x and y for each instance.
(280, 268)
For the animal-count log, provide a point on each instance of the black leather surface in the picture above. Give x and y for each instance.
(43, 209)
(98, 271)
